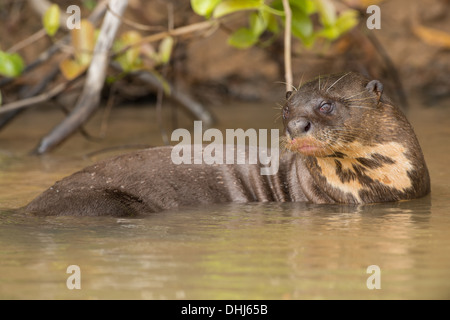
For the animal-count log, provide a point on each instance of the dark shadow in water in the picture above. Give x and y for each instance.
(419, 209)
(17, 226)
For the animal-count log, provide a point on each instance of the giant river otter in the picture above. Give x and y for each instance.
(344, 142)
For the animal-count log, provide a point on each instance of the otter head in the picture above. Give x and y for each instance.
(355, 143)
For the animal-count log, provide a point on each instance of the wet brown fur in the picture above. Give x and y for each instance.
(366, 139)
(368, 153)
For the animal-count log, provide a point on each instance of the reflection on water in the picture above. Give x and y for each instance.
(245, 251)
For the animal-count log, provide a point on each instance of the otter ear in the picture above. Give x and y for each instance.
(376, 87)
(288, 94)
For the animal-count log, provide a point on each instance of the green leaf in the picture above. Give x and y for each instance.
(243, 38)
(129, 60)
(272, 24)
(258, 23)
(330, 33)
(347, 21)
(90, 4)
(307, 6)
(131, 38)
(308, 42)
(204, 7)
(51, 20)
(231, 6)
(165, 49)
(327, 12)
(11, 65)
(302, 26)
(272, 10)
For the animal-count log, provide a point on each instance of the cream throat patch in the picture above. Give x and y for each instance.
(358, 166)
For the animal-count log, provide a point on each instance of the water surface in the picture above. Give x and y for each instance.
(245, 251)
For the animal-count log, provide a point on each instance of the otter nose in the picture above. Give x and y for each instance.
(298, 127)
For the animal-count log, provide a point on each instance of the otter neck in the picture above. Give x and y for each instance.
(364, 174)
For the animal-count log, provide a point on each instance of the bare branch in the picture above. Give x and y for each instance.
(288, 46)
(204, 25)
(90, 97)
(26, 42)
(17, 105)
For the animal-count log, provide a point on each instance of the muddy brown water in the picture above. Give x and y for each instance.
(245, 251)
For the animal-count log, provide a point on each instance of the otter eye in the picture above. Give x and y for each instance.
(326, 107)
(285, 112)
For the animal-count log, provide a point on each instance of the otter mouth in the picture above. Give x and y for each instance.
(308, 146)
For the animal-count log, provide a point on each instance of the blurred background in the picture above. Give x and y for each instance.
(238, 57)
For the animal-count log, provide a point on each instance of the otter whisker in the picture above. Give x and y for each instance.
(285, 83)
(343, 128)
(361, 99)
(337, 81)
(363, 102)
(277, 118)
(347, 98)
(326, 83)
(347, 130)
(360, 107)
(301, 82)
(278, 106)
(346, 134)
